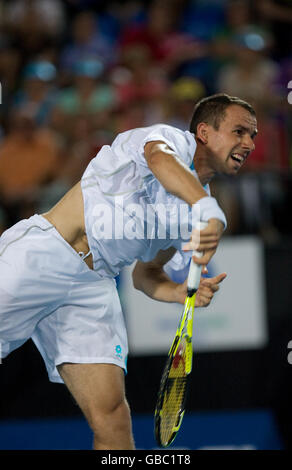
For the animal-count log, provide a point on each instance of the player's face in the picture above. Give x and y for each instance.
(231, 144)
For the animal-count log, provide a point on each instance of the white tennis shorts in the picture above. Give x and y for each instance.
(49, 294)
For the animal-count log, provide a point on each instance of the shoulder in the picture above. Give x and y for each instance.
(182, 142)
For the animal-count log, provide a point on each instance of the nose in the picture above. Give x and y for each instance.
(248, 143)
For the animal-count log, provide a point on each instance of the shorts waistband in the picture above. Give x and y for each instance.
(45, 224)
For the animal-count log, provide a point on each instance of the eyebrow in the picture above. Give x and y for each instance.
(253, 134)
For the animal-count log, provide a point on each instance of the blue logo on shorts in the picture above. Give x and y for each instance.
(119, 351)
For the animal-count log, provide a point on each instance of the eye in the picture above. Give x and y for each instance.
(238, 131)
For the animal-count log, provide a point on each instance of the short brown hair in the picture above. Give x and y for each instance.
(212, 110)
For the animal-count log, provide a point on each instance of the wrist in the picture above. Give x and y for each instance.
(207, 208)
(179, 293)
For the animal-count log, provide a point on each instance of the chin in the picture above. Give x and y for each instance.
(234, 169)
(230, 172)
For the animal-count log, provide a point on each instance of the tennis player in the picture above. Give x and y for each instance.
(57, 269)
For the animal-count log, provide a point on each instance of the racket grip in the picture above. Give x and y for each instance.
(195, 270)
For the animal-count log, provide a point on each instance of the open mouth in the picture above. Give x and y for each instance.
(237, 157)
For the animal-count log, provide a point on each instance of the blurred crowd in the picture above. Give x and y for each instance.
(74, 73)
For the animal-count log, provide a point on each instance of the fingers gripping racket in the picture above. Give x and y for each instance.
(171, 399)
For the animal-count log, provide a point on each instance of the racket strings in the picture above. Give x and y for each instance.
(172, 405)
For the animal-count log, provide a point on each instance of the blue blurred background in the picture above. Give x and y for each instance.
(73, 74)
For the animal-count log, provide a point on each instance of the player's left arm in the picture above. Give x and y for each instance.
(177, 178)
(151, 279)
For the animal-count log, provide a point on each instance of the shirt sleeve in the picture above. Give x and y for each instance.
(179, 141)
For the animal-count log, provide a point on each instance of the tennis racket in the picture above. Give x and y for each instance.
(171, 401)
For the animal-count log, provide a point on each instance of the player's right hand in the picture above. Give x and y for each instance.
(205, 240)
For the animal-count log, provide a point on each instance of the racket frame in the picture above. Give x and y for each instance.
(186, 320)
(184, 330)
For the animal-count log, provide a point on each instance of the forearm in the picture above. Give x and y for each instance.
(155, 283)
(176, 177)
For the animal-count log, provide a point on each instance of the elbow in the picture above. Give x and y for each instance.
(154, 160)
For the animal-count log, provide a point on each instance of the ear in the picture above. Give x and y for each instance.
(202, 132)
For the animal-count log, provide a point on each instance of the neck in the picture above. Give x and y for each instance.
(203, 166)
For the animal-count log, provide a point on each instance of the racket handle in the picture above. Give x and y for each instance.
(195, 270)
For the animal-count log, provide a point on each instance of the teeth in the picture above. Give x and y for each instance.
(238, 156)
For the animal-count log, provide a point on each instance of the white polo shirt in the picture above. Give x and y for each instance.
(128, 214)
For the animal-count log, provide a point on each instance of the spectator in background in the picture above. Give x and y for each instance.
(117, 15)
(139, 79)
(88, 96)
(238, 33)
(252, 73)
(86, 42)
(169, 47)
(84, 143)
(260, 188)
(203, 17)
(10, 61)
(48, 14)
(34, 23)
(272, 144)
(237, 17)
(38, 90)
(278, 16)
(29, 159)
(128, 116)
(256, 77)
(181, 97)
